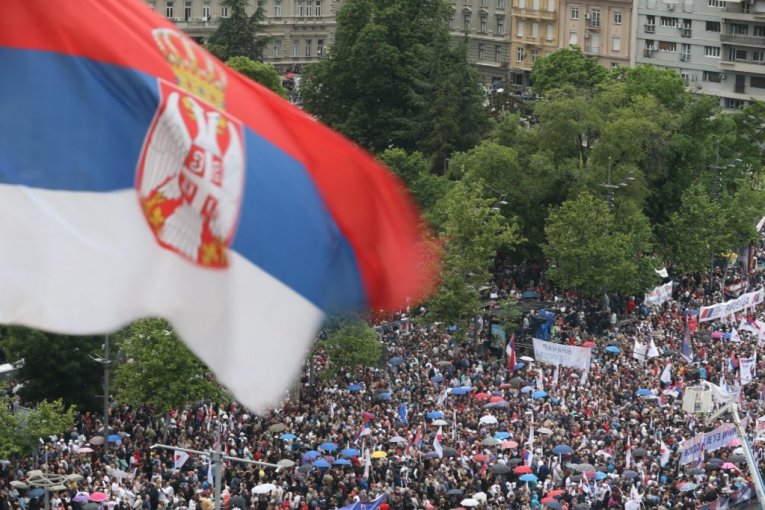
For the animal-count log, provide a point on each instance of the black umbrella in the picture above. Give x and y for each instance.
(711, 466)
(237, 502)
(717, 461)
(500, 469)
(695, 471)
(306, 468)
(576, 478)
(396, 361)
(582, 506)
(629, 474)
(514, 462)
(639, 452)
(737, 458)
(454, 492)
(449, 451)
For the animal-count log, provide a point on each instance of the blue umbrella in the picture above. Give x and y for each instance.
(492, 405)
(452, 328)
(539, 394)
(437, 379)
(519, 366)
(642, 392)
(462, 390)
(37, 492)
(321, 463)
(383, 396)
(502, 435)
(613, 348)
(350, 452)
(528, 477)
(434, 415)
(396, 361)
(527, 389)
(328, 447)
(312, 454)
(562, 449)
(529, 294)
(599, 475)
(354, 387)
(287, 436)
(342, 462)
(114, 438)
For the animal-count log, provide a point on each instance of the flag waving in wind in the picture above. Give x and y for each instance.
(510, 349)
(140, 177)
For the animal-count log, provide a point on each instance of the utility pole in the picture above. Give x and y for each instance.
(107, 369)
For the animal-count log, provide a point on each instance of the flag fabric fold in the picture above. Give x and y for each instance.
(171, 186)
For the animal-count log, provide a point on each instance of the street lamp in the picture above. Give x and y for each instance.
(610, 187)
(46, 481)
(106, 362)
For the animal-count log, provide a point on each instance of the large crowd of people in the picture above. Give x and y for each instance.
(444, 422)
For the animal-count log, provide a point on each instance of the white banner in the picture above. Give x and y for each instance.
(759, 427)
(719, 437)
(745, 367)
(748, 300)
(658, 295)
(692, 450)
(560, 354)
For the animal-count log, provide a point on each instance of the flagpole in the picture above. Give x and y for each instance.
(217, 460)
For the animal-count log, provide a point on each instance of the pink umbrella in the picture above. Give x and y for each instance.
(728, 465)
(734, 442)
(85, 449)
(99, 496)
(717, 334)
(481, 396)
(509, 444)
(496, 399)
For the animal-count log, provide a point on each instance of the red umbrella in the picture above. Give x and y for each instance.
(481, 396)
(496, 398)
(509, 444)
(522, 470)
(588, 344)
(505, 386)
(98, 497)
(479, 457)
(554, 493)
(544, 501)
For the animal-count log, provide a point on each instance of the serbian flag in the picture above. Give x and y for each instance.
(140, 177)
(510, 349)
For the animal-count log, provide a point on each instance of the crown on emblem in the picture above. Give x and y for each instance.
(195, 70)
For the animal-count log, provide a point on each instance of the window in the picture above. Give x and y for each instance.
(224, 11)
(734, 104)
(534, 54)
(320, 47)
(206, 11)
(549, 32)
(712, 51)
(757, 82)
(466, 22)
(277, 48)
(483, 24)
(481, 51)
(668, 22)
(758, 31)
(685, 52)
(735, 54)
(187, 11)
(758, 56)
(521, 27)
(296, 49)
(616, 43)
(668, 46)
(500, 4)
(711, 76)
(309, 7)
(519, 54)
(574, 12)
(451, 22)
(467, 2)
(317, 8)
(521, 4)
(650, 20)
(169, 9)
(484, 3)
(686, 78)
(308, 47)
(500, 26)
(617, 16)
(739, 29)
(595, 17)
(497, 54)
(573, 38)
(298, 8)
(550, 5)
(535, 29)
(716, 3)
(713, 26)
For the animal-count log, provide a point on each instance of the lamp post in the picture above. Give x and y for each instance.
(46, 481)
(610, 187)
(106, 362)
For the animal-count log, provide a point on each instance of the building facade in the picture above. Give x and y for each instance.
(534, 34)
(742, 52)
(602, 28)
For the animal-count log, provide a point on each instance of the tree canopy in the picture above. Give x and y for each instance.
(238, 34)
(265, 74)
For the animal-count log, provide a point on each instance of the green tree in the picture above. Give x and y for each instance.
(20, 433)
(159, 370)
(568, 66)
(237, 34)
(664, 84)
(392, 80)
(414, 170)
(473, 230)
(56, 366)
(351, 342)
(265, 74)
(695, 232)
(587, 250)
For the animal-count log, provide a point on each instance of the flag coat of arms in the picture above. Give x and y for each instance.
(140, 177)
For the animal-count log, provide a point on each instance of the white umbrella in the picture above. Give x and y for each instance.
(544, 430)
(439, 422)
(480, 496)
(118, 473)
(397, 439)
(469, 502)
(527, 358)
(263, 488)
(285, 463)
(488, 420)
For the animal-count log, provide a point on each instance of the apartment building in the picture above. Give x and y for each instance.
(534, 34)
(299, 31)
(742, 52)
(602, 28)
(485, 23)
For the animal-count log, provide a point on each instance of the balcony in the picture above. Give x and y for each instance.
(685, 32)
(650, 29)
(196, 26)
(649, 52)
(535, 14)
(744, 66)
(743, 40)
(591, 50)
(593, 24)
